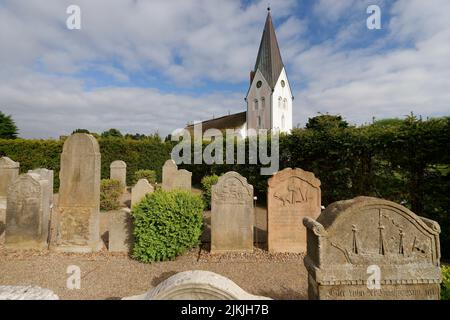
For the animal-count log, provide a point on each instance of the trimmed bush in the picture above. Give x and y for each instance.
(110, 192)
(166, 224)
(207, 183)
(445, 286)
(150, 175)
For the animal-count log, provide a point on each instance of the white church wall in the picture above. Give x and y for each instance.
(286, 111)
(263, 108)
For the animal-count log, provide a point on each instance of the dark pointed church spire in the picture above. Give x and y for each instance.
(269, 60)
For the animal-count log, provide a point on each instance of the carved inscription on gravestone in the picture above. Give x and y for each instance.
(292, 195)
(232, 214)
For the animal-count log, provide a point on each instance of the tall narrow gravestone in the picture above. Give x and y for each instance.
(9, 171)
(369, 248)
(232, 214)
(292, 195)
(79, 195)
(28, 213)
(119, 172)
(172, 178)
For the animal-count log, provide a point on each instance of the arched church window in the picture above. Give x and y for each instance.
(256, 104)
(263, 103)
(259, 121)
(279, 102)
(285, 103)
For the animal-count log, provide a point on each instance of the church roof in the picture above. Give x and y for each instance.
(269, 60)
(233, 121)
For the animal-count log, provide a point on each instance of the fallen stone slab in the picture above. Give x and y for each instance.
(26, 293)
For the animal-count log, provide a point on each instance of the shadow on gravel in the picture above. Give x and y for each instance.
(164, 276)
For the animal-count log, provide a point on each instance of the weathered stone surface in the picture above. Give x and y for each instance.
(232, 214)
(292, 195)
(26, 293)
(79, 195)
(119, 172)
(349, 236)
(9, 171)
(197, 285)
(174, 178)
(140, 190)
(46, 175)
(28, 213)
(120, 231)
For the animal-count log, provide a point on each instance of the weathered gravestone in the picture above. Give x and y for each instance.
(140, 190)
(9, 171)
(197, 285)
(28, 213)
(120, 231)
(368, 248)
(26, 293)
(118, 171)
(293, 194)
(172, 178)
(79, 195)
(232, 214)
(46, 175)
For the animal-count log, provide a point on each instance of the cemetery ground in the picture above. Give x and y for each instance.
(106, 275)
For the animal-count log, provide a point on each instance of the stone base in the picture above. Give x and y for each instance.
(79, 249)
(223, 251)
(27, 245)
(425, 291)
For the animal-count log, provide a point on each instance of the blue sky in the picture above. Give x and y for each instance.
(146, 66)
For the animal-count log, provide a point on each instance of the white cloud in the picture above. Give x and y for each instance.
(189, 43)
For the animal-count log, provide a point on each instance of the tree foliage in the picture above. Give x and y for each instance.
(8, 128)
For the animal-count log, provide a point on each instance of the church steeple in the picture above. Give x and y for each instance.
(269, 60)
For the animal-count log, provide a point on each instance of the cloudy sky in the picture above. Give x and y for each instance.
(153, 65)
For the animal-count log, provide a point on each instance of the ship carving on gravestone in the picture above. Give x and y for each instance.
(394, 249)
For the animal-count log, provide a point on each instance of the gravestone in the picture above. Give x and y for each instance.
(172, 178)
(79, 195)
(9, 171)
(120, 231)
(140, 190)
(197, 285)
(46, 175)
(292, 195)
(118, 171)
(369, 248)
(26, 293)
(232, 214)
(28, 213)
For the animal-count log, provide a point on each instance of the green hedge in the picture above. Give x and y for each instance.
(207, 183)
(166, 224)
(150, 175)
(445, 286)
(110, 192)
(138, 154)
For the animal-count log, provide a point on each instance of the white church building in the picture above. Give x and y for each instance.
(269, 97)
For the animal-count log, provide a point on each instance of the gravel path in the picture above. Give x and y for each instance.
(113, 276)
